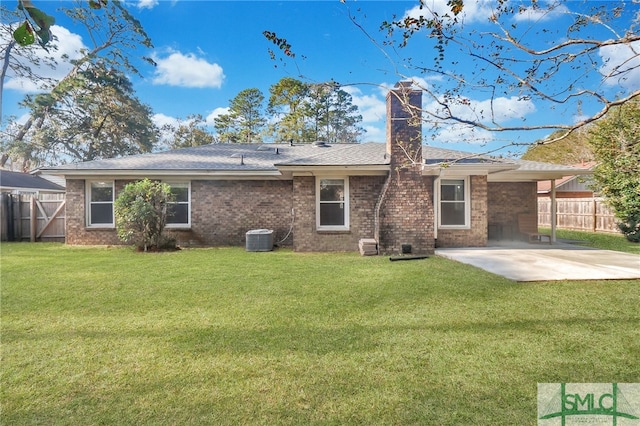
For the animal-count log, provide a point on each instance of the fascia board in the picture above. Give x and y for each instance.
(525, 176)
(536, 175)
(380, 170)
(29, 189)
(467, 169)
(184, 174)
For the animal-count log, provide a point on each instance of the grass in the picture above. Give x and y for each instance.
(221, 336)
(601, 240)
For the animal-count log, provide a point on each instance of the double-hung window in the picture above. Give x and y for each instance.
(179, 209)
(332, 204)
(100, 204)
(454, 209)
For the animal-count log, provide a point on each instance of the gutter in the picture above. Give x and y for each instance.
(140, 173)
(466, 169)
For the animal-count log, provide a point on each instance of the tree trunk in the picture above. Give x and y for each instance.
(5, 67)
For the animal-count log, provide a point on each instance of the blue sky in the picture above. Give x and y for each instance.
(208, 51)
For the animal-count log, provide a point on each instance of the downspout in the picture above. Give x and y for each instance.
(436, 209)
(376, 217)
(553, 211)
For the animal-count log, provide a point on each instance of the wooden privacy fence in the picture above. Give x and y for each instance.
(582, 214)
(33, 218)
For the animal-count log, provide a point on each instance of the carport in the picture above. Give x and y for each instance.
(542, 262)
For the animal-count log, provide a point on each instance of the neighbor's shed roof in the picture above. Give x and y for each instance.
(16, 181)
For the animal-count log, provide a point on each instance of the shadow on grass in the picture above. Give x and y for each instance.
(324, 340)
(356, 338)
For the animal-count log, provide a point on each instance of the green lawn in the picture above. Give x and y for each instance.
(221, 336)
(601, 240)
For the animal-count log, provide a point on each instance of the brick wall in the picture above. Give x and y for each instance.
(221, 213)
(407, 213)
(477, 235)
(363, 194)
(506, 201)
(76, 232)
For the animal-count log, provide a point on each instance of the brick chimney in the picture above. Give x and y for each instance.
(406, 204)
(404, 127)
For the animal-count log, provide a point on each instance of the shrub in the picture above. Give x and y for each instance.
(141, 212)
(631, 228)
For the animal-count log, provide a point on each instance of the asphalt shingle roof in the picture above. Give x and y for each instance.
(268, 157)
(343, 155)
(16, 180)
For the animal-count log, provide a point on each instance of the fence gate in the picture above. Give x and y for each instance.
(27, 217)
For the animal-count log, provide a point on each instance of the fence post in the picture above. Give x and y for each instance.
(554, 213)
(11, 218)
(33, 222)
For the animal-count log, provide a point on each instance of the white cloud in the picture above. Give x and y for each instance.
(464, 134)
(372, 108)
(162, 120)
(215, 113)
(147, 4)
(473, 11)
(501, 110)
(505, 109)
(621, 65)
(166, 137)
(187, 70)
(482, 10)
(22, 119)
(68, 45)
(374, 134)
(541, 14)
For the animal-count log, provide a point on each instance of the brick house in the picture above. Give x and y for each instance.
(319, 197)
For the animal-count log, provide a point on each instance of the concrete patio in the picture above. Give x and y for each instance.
(544, 262)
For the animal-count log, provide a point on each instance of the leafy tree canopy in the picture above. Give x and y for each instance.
(95, 91)
(616, 144)
(300, 112)
(305, 112)
(568, 149)
(245, 120)
(190, 132)
(92, 115)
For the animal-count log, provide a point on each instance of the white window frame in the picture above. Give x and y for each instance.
(188, 224)
(467, 202)
(89, 203)
(344, 227)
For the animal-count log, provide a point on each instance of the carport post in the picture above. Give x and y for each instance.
(553, 211)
